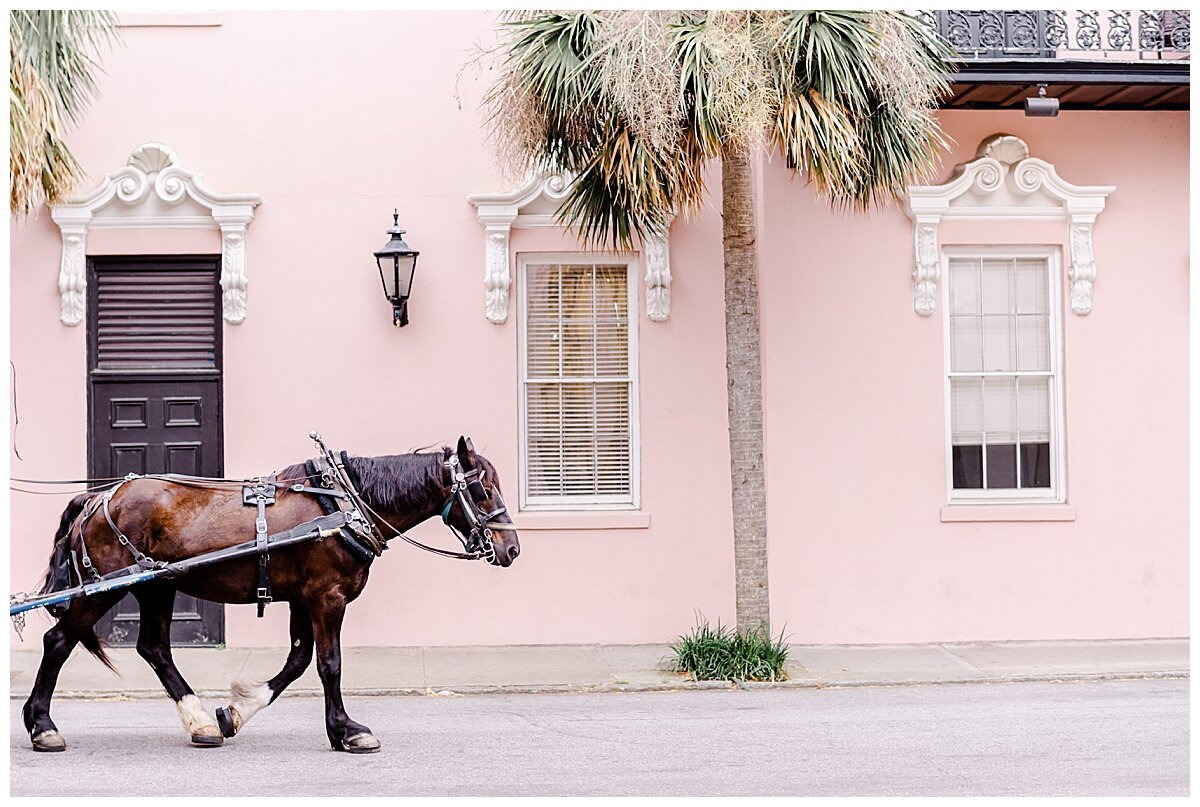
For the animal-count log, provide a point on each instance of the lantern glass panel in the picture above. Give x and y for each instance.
(387, 273)
(405, 266)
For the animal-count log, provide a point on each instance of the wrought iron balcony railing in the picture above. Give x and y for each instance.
(1117, 35)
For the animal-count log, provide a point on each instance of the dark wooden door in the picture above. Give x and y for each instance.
(154, 396)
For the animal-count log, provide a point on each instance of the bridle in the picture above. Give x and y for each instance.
(466, 488)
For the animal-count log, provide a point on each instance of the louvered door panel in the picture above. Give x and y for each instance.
(155, 318)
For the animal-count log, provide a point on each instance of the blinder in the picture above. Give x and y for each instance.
(466, 487)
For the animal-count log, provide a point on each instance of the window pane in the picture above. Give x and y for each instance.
(997, 287)
(999, 344)
(966, 343)
(1033, 410)
(1000, 410)
(967, 462)
(1035, 465)
(966, 407)
(1033, 342)
(1032, 288)
(542, 295)
(1001, 466)
(964, 286)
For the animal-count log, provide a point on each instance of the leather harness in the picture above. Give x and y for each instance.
(335, 492)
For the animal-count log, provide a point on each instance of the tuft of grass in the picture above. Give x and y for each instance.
(723, 654)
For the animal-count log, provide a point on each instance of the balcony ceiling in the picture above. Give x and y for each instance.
(1077, 84)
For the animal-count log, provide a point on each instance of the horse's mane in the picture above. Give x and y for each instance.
(396, 482)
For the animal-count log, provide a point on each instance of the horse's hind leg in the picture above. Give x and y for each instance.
(344, 733)
(74, 627)
(250, 696)
(157, 601)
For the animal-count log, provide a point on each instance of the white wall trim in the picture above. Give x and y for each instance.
(1004, 183)
(526, 206)
(153, 191)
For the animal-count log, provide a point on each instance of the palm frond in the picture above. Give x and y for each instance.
(846, 96)
(50, 82)
(59, 46)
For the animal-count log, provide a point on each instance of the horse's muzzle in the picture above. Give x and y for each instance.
(505, 555)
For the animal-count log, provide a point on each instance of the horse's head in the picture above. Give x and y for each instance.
(476, 508)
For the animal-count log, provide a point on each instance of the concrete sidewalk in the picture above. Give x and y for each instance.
(618, 668)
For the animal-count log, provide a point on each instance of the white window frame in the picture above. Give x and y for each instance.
(558, 503)
(1057, 492)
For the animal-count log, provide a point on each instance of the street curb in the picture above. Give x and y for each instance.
(669, 686)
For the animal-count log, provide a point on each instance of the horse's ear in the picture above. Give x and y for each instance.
(466, 453)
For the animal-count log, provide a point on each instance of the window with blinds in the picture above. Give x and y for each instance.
(149, 316)
(578, 391)
(1003, 375)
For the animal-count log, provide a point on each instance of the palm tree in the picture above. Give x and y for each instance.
(634, 104)
(50, 82)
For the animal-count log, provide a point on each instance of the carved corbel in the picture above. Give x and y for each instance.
(926, 271)
(496, 277)
(1083, 268)
(233, 272)
(72, 276)
(658, 277)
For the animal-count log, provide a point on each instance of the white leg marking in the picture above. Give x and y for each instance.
(196, 721)
(248, 698)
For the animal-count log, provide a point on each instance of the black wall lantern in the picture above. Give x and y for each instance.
(397, 265)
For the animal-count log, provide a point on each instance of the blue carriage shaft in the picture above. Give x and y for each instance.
(322, 527)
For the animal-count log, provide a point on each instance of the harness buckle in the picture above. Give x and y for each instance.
(264, 594)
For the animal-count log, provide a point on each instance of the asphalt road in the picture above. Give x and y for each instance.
(1098, 738)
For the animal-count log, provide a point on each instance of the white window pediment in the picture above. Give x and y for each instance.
(153, 191)
(1004, 183)
(535, 204)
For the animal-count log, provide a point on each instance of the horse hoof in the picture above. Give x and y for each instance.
(49, 740)
(226, 722)
(208, 740)
(364, 743)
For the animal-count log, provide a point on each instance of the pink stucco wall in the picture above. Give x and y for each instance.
(856, 419)
(336, 130)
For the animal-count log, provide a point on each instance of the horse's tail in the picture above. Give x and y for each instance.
(58, 574)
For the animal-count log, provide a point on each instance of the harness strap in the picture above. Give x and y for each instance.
(143, 560)
(261, 494)
(86, 561)
(337, 501)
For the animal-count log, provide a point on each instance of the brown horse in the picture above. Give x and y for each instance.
(170, 522)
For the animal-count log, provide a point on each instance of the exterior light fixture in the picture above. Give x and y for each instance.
(1041, 107)
(397, 265)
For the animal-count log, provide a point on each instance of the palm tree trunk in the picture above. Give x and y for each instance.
(744, 372)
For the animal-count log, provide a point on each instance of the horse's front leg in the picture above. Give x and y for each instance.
(250, 696)
(157, 601)
(74, 627)
(344, 733)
